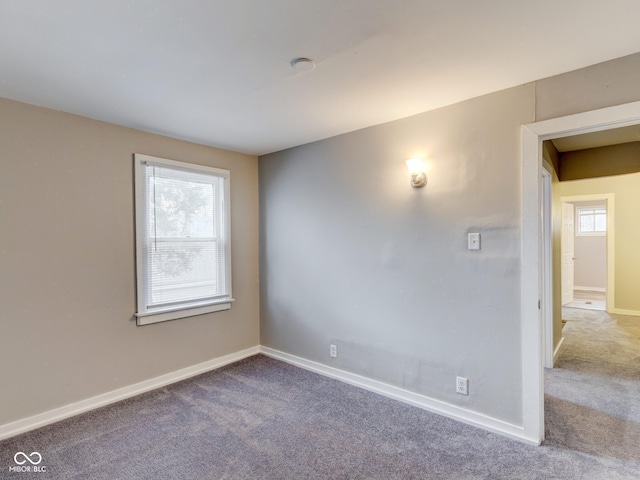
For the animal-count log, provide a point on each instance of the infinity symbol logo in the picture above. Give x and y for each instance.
(27, 458)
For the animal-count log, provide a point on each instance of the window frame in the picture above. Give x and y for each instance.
(594, 233)
(147, 315)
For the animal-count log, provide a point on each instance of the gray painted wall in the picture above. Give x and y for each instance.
(602, 85)
(351, 255)
(67, 266)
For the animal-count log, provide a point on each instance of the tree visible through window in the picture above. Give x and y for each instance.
(592, 220)
(182, 239)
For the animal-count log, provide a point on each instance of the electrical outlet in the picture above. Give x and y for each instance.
(333, 351)
(462, 385)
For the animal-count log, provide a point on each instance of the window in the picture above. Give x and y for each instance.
(592, 221)
(182, 239)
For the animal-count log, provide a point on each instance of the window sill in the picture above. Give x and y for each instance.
(164, 315)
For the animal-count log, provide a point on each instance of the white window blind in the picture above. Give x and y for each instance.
(182, 239)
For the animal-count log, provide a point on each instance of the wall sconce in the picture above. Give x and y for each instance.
(416, 170)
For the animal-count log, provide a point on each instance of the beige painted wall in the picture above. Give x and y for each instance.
(626, 189)
(600, 162)
(550, 155)
(556, 256)
(67, 283)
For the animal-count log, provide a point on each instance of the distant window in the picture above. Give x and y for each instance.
(182, 239)
(592, 221)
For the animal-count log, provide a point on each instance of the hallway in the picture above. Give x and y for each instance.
(592, 397)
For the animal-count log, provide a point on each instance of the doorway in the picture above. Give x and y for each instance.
(533, 268)
(587, 280)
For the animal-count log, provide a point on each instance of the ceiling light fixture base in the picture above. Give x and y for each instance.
(302, 64)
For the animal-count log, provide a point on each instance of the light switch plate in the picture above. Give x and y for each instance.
(474, 241)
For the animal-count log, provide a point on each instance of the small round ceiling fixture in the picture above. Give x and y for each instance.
(302, 64)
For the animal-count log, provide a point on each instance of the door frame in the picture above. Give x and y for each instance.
(532, 288)
(564, 278)
(547, 265)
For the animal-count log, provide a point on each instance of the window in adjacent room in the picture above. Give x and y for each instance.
(182, 239)
(592, 220)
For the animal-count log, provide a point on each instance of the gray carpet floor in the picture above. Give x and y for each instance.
(592, 398)
(265, 419)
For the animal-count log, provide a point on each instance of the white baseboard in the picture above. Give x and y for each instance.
(457, 413)
(558, 350)
(622, 311)
(57, 414)
(589, 289)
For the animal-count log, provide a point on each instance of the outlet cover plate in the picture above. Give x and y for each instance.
(474, 241)
(462, 385)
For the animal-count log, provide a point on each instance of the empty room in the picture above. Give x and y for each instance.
(309, 239)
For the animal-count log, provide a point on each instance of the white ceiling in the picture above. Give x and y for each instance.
(217, 72)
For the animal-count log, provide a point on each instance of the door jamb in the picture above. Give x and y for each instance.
(533, 135)
(547, 267)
